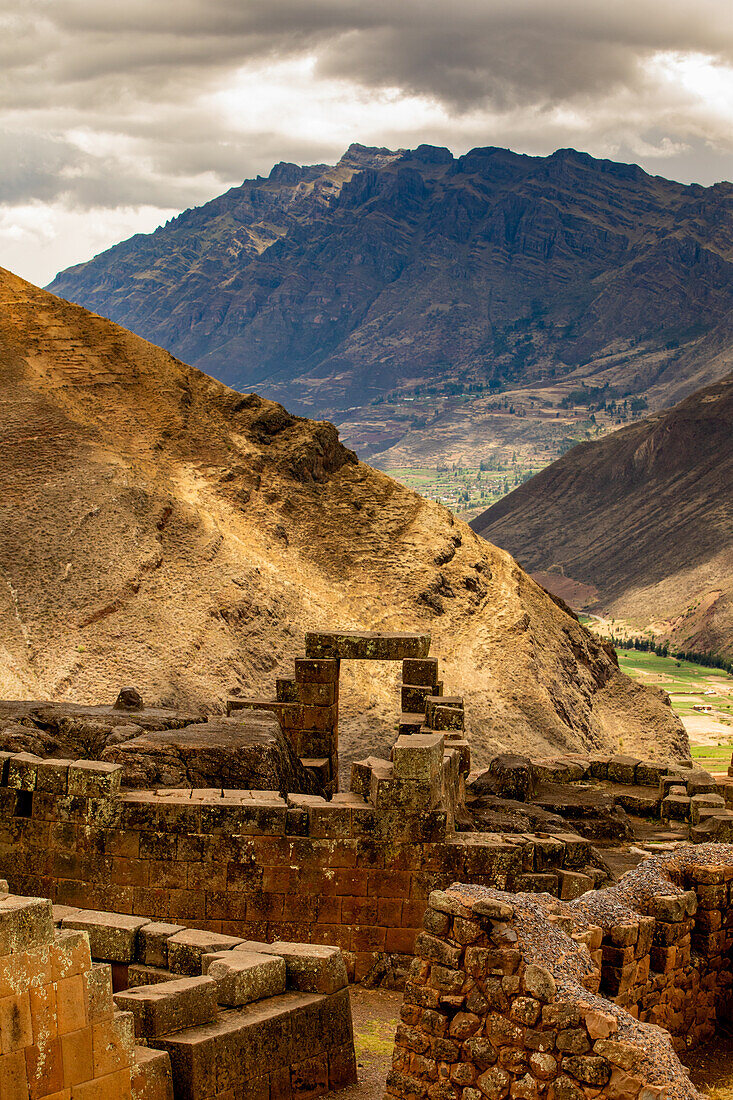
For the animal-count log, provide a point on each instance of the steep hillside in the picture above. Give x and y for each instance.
(159, 529)
(644, 517)
(329, 287)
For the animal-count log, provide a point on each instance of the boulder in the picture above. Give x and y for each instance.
(249, 752)
(129, 698)
(512, 776)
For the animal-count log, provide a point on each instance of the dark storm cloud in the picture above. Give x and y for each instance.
(111, 105)
(466, 52)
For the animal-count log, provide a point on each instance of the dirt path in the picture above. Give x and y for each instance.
(376, 1013)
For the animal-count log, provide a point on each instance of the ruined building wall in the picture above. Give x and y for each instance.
(520, 996)
(354, 872)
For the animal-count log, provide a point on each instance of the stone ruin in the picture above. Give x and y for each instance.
(105, 1006)
(190, 894)
(526, 997)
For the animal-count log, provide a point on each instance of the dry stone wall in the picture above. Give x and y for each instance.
(529, 997)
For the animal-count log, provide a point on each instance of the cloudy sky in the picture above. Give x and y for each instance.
(115, 116)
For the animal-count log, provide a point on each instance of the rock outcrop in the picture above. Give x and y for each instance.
(247, 754)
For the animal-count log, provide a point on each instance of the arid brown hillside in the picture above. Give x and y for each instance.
(159, 529)
(644, 516)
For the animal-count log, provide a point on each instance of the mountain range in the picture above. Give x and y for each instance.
(419, 275)
(638, 525)
(158, 529)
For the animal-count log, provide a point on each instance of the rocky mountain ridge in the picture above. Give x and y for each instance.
(161, 530)
(328, 287)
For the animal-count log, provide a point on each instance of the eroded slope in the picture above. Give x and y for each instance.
(159, 529)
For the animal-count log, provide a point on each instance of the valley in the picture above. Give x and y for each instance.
(702, 698)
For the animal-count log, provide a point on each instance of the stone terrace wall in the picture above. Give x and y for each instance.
(522, 997)
(354, 872)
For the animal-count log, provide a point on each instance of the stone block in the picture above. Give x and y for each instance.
(598, 765)
(186, 949)
(648, 774)
(673, 778)
(113, 937)
(447, 718)
(169, 1006)
(676, 807)
(410, 723)
(420, 671)
(312, 968)
(24, 923)
(413, 698)
(622, 769)
(139, 974)
(98, 992)
(700, 782)
(153, 942)
(52, 776)
(243, 976)
(22, 771)
(94, 779)
(418, 756)
(365, 645)
(287, 691)
(700, 802)
(573, 884)
(151, 1075)
(323, 671)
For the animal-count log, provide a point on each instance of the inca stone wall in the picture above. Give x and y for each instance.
(354, 872)
(526, 997)
(228, 1017)
(61, 1036)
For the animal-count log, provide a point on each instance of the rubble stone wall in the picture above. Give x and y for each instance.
(525, 997)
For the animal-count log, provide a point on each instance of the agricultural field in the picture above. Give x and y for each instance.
(466, 490)
(691, 687)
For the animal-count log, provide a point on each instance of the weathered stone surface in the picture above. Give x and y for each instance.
(129, 698)
(312, 968)
(24, 923)
(511, 776)
(246, 752)
(186, 949)
(244, 976)
(169, 1006)
(112, 936)
(94, 778)
(418, 756)
(73, 731)
(151, 1075)
(153, 942)
(366, 645)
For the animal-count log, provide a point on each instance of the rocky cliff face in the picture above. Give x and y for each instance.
(327, 287)
(644, 517)
(161, 530)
